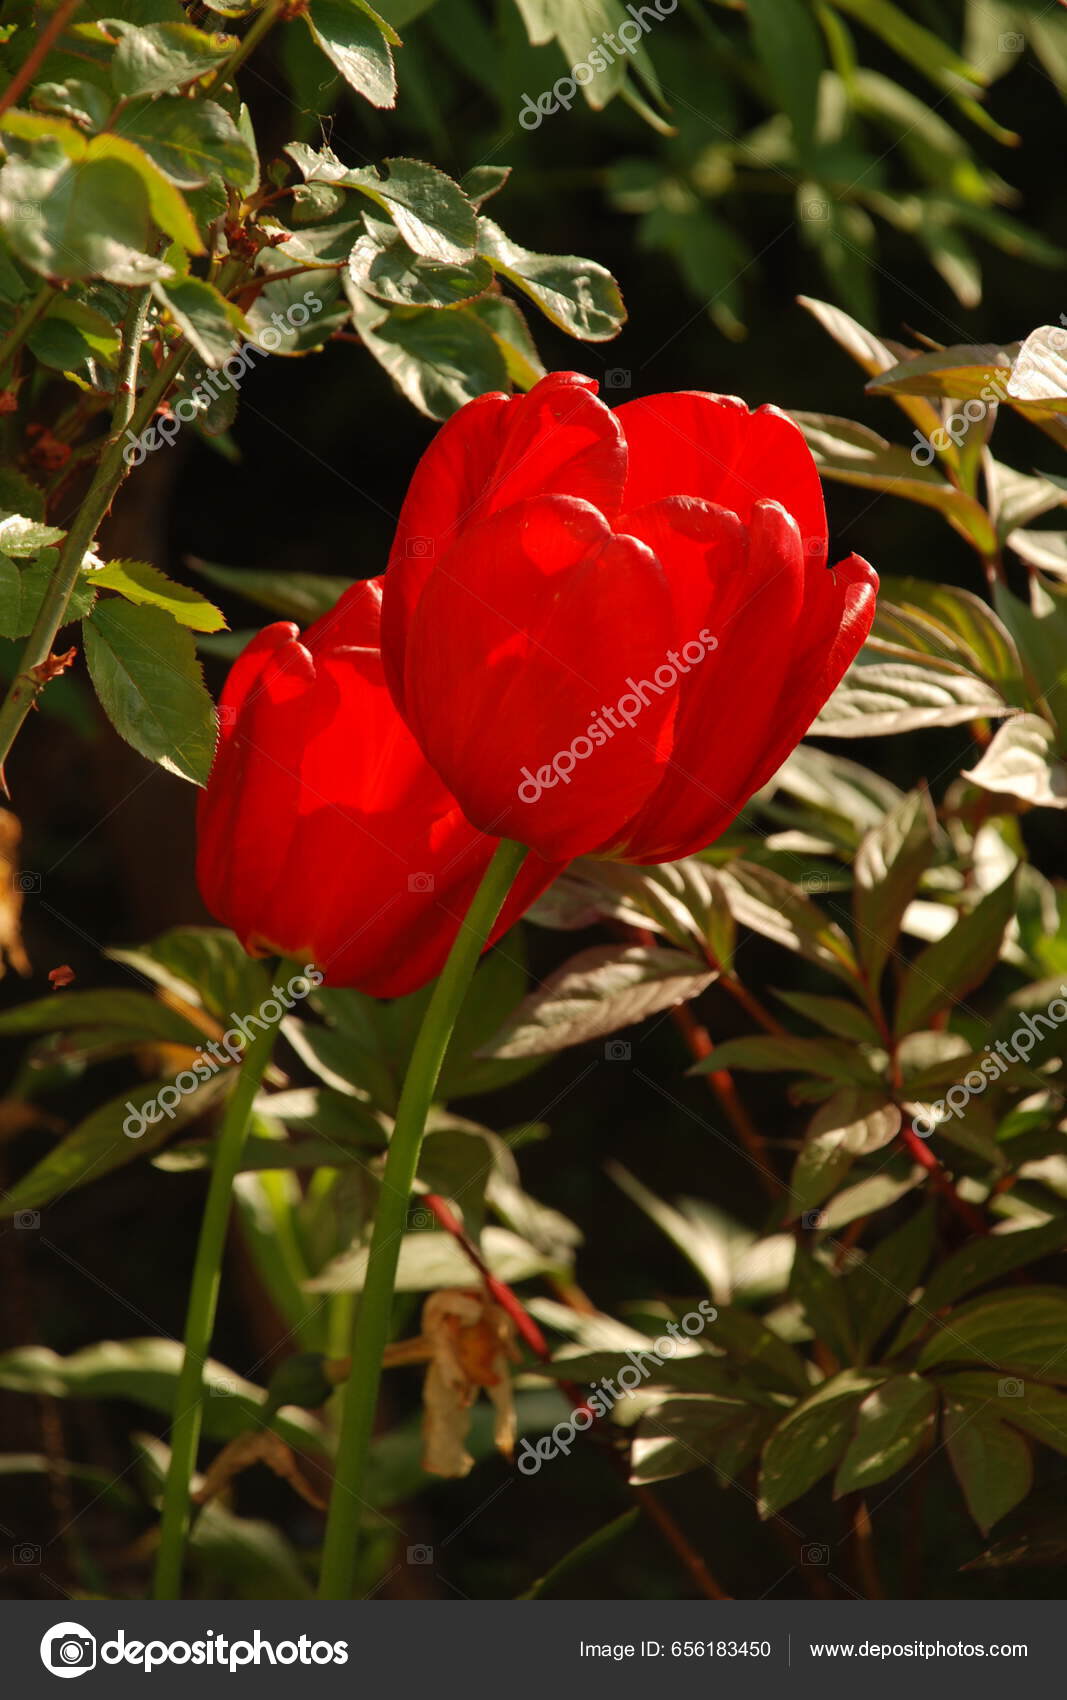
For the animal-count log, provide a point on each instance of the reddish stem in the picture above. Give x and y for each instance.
(501, 1293)
(721, 1082)
(26, 72)
(922, 1154)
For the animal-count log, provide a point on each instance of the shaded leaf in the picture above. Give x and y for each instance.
(597, 992)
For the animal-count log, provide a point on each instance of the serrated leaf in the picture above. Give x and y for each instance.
(90, 218)
(892, 1424)
(429, 210)
(189, 140)
(382, 264)
(438, 360)
(511, 334)
(209, 322)
(144, 668)
(139, 581)
(352, 38)
(23, 589)
(483, 181)
(21, 537)
(597, 992)
(949, 968)
(579, 296)
(157, 57)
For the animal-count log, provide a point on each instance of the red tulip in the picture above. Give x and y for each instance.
(608, 629)
(323, 832)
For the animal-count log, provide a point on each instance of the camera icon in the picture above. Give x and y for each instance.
(617, 1050)
(617, 378)
(1013, 42)
(227, 714)
(815, 210)
(420, 882)
(815, 1553)
(1010, 1387)
(27, 1219)
(419, 548)
(421, 1219)
(68, 1649)
(816, 882)
(813, 1219)
(224, 1388)
(27, 882)
(28, 209)
(420, 1555)
(25, 1553)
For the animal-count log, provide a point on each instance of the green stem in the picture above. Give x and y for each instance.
(251, 39)
(376, 1301)
(200, 1316)
(30, 678)
(20, 330)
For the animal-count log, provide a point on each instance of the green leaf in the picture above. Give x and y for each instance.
(976, 1264)
(949, 968)
(353, 39)
(1044, 549)
(99, 1144)
(762, 1353)
(812, 1439)
(854, 1122)
(772, 906)
(953, 625)
(158, 57)
(821, 1296)
(210, 323)
(919, 46)
(22, 590)
(144, 668)
(851, 454)
(203, 966)
(138, 581)
(1041, 634)
(430, 211)
(1022, 1328)
(845, 1020)
(769, 1053)
(1021, 762)
(90, 217)
(579, 296)
(892, 1424)
(788, 43)
(430, 1260)
(889, 697)
(438, 360)
(484, 181)
(873, 356)
(1038, 1410)
(22, 537)
(146, 1371)
(189, 140)
(302, 597)
(133, 1012)
(597, 992)
(992, 1462)
(511, 334)
(880, 1287)
(889, 863)
(697, 1433)
(382, 264)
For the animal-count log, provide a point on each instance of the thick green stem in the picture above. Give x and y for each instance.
(200, 1316)
(376, 1301)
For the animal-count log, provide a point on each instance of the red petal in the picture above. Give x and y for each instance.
(524, 637)
(492, 453)
(693, 444)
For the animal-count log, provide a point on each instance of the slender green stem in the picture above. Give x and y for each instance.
(376, 1301)
(251, 39)
(35, 309)
(200, 1316)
